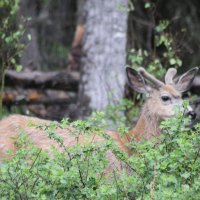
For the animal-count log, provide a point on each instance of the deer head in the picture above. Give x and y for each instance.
(162, 97)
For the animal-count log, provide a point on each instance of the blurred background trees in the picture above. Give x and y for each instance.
(76, 51)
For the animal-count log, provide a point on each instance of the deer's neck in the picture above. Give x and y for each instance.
(147, 125)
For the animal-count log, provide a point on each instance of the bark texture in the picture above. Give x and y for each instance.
(31, 54)
(104, 54)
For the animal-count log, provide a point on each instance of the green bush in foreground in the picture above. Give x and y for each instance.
(163, 168)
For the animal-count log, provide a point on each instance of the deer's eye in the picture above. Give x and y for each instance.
(165, 98)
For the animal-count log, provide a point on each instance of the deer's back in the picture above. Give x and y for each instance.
(13, 126)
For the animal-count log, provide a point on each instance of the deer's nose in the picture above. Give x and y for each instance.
(192, 114)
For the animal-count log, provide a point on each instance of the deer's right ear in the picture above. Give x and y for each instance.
(136, 81)
(185, 81)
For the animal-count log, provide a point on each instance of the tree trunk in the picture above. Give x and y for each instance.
(104, 54)
(31, 55)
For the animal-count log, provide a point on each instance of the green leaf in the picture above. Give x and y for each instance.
(147, 5)
(185, 175)
(18, 68)
(172, 61)
(29, 37)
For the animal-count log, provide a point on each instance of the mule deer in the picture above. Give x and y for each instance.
(161, 99)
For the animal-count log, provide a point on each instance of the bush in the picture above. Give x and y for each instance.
(163, 168)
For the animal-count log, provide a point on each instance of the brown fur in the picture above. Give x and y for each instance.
(14, 125)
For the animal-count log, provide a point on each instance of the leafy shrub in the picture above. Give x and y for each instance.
(166, 167)
(158, 61)
(10, 44)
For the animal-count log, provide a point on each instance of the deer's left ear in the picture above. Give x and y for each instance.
(137, 82)
(186, 80)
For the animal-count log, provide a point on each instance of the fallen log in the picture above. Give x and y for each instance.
(33, 97)
(48, 104)
(43, 80)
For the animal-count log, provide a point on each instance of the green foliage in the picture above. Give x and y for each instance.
(166, 167)
(164, 43)
(10, 35)
(121, 114)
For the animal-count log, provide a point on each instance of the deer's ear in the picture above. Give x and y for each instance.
(185, 81)
(136, 81)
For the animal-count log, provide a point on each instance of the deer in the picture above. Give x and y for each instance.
(161, 99)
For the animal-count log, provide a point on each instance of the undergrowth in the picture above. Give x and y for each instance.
(163, 168)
